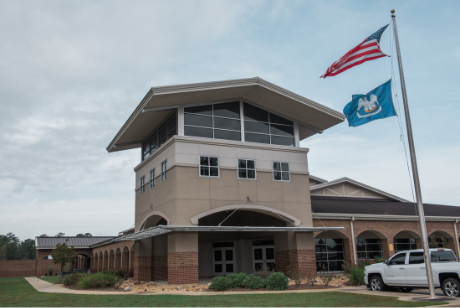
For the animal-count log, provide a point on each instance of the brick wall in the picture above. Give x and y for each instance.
(143, 268)
(159, 268)
(182, 267)
(17, 268)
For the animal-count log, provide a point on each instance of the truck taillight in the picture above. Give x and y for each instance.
(440, 249)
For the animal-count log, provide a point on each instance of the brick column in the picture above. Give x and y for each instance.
(385, 250)
(295, 253)
(111, 259)
(183, 258)
(143, 260)
(125, 261)
(117, 264)
(419, 243)
(131, 263)
(348, 251)
(390, 252)
(105, 263)
(160, 258)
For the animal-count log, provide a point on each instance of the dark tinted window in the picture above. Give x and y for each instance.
(223, 244)
(198, 131)
(282, 130)
(227, 135)
(398, 259)
(249, 137)
(416, 258)
(207, 110)
(197, 120)
(282, 141)
(443, 256)
(277, 119)
(229, 110)
(255, 114)
(256, 127)
(227, 124)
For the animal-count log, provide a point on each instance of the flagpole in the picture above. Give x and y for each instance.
(418, 192)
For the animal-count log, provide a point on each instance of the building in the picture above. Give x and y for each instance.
(223, 186)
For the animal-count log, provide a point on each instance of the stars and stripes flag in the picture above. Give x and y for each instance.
(368, 50)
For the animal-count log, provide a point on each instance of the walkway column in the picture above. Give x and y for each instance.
(295, 253)
(125, 261)
(160, 258)
(117, 264)
(183, 258)
(143, 260)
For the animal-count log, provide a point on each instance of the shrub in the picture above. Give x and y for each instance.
(276, 281)
(49, 268)
(325, 275)
(120, 273)
(253, 282)
(219, 283)
(354, 273)
(99, 280)
(72, 279)
(236, 280)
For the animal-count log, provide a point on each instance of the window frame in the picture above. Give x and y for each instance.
(209, 167)
(142, 186)
(273, 171)
(152, 178)
(238, 169)
(164, 171)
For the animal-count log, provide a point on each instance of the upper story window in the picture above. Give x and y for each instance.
(143, 184)
(265, 127)
(247, 169)
(152, 178)
(209, 166)
(159, 137)
(218, 121)
(281, 171)
(164, 167)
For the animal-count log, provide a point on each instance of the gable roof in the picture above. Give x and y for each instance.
(76, 242)
(359, 184)
(312, 117)
(317, 179)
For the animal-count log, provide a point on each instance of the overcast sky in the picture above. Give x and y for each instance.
(71, 73)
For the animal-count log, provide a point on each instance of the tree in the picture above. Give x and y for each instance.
(84, 235)
(11, 243)
(43, 235)
(3, 252)
(26, 250)
(62, 254)
(60, 234)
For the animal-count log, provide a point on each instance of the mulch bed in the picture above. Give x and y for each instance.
(97, 289)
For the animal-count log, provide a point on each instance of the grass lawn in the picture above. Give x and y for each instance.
(18, 292)
(51, 279)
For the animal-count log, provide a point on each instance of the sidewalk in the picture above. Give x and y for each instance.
(416, 295)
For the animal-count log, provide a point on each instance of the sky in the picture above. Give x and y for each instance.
(72, 72)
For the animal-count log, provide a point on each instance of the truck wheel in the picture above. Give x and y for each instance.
(406, 290)
(451, 287)
(377, 284)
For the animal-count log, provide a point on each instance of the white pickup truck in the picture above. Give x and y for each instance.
(406, 270)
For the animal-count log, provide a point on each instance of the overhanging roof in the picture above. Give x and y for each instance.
(76, 242)
(312, 117)
(158, 230)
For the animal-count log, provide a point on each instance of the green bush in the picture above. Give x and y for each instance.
(219, 283)
(253, 282)
(72, 279)
(99, 280)
(276, 281)
(355, 273)
(236, 280)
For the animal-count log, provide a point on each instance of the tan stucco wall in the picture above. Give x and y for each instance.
(185, 194)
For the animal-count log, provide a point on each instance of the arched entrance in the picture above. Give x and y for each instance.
(371, 244)
(406, 240)
(332, 249)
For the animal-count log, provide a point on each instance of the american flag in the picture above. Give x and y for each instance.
(368, 50)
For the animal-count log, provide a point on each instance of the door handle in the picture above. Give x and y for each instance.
(423, 267)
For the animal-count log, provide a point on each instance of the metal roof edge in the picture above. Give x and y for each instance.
(348, 216)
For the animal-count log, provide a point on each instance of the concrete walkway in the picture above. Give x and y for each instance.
(416, 295)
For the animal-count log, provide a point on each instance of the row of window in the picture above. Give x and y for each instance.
(164, 177)
(159, 137)
(209, 167)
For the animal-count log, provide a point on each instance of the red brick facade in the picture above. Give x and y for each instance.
(159, 268)
(17, 268)
(182, 267)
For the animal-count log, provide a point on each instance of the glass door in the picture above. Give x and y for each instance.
(264, 259)
(223, 260)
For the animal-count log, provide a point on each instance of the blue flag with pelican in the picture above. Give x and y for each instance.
(377, 104)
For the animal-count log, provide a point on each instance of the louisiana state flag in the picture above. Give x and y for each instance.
(377, 104)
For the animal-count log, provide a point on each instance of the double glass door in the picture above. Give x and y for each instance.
(264, 258)
(223, 260)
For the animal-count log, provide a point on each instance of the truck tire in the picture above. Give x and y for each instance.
(377, 284)
(451, 287)
(405, 290)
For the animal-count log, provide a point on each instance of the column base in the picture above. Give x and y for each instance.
(182, 267)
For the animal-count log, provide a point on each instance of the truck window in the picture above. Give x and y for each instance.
(443, 256)
(416, 258)
(398, 259)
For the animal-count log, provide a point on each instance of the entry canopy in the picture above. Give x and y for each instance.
(161, 229)
(312, 117)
